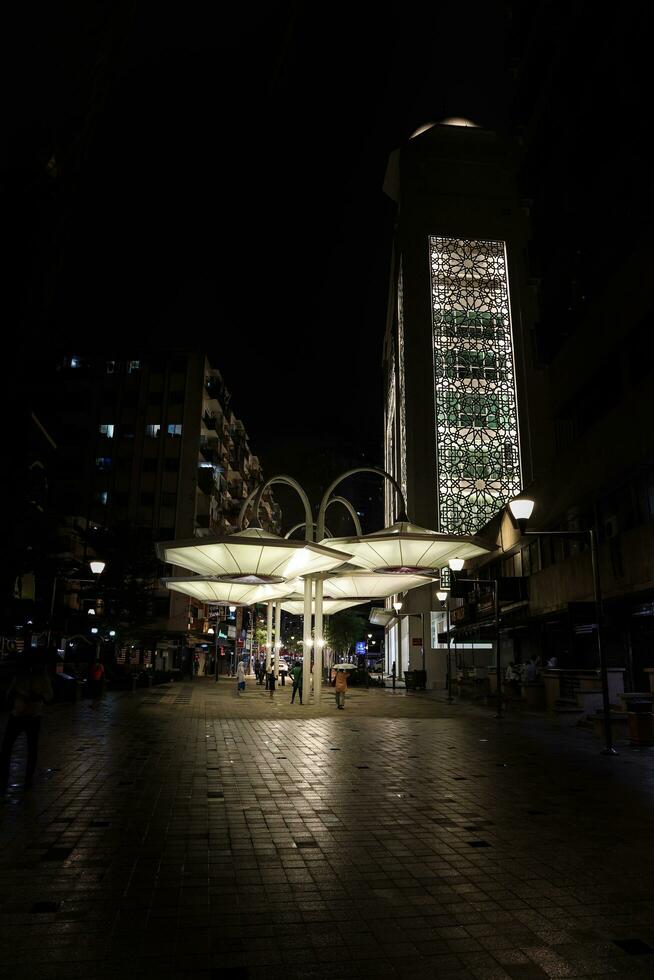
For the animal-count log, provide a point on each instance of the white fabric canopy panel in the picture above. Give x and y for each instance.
(252, 557)
(370, 585)
(406, 549)
(207, 589)
(295, 605)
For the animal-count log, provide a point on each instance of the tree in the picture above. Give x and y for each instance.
(343, 629)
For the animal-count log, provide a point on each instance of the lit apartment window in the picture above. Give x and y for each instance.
(111, 367)
(133, 366)
(74, 362)
(103, 496)
(103, 462)
(174, 430)
(153, 431)
(107, 430)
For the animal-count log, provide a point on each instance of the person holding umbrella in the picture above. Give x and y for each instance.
(341, 686)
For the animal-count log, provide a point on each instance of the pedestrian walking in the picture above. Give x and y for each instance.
(271, 682)
(240, 677)
(341, 688)
(30, 688)
(256, 671)
(95, 682)
(296, 674)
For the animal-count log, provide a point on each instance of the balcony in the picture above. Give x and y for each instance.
(214, 387)
(209, 454)
(210, 420)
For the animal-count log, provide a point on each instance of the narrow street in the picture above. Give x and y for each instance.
(186, 831)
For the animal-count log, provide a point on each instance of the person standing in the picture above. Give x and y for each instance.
(271, 681)
(240, 677)
(341, 688)
(31, 688)
(296, 674)
(96, 683)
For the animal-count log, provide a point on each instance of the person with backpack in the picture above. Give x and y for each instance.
(30, 688)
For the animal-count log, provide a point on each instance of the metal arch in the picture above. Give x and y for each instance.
(244, 506)
(296, 527)
(289, 481)
(353, 514)
(401, 516)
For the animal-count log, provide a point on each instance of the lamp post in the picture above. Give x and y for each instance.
(456, 564)
(97, 566)
(521, 510)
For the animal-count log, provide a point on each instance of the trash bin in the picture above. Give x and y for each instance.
(410, 680)
(641, 722)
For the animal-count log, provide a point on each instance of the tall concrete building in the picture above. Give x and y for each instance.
(151, 444)
(457, 435)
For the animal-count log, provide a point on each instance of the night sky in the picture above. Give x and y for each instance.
(216, 176)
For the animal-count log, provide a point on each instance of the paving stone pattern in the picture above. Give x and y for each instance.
(188, 832)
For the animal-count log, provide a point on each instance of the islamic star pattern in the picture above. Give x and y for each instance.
(477, 439)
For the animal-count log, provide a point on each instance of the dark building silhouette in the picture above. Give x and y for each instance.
(150, 450)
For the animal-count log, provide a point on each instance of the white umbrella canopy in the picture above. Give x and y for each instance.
(370, 585)
(406, 549)
(209, 589)
(252, 557)
(344, 667)
(294, 605)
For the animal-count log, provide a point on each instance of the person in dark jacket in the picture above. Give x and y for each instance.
(30, 688)
(296, 674)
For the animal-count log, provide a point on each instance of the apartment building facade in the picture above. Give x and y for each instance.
(152, 444)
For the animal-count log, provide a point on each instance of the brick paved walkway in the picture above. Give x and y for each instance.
(187, 832)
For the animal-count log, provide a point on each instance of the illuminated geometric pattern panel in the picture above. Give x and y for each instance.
(477, 436)
(400, 361)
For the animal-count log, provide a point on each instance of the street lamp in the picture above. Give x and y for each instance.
(97, 567)
(521, 510)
